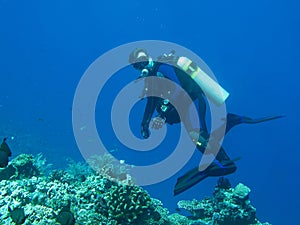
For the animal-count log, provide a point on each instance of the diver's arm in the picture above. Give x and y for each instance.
(149, 110)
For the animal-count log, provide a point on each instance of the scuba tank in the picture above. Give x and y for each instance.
(209, 86)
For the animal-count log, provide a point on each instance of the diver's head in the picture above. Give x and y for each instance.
(139, 58)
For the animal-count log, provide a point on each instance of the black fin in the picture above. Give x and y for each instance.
(233, 120)
(188, 180)
(194, 176)
(260, 120)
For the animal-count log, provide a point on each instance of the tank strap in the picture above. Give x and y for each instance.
(168, 58)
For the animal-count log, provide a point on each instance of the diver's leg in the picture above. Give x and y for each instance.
(204, 146)
(222, 156)
(187, 116)
(224, 164)
(202, 112)
(217, 169)
(189, 121)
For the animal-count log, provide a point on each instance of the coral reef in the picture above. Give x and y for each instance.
(227, 206)
(78, 195)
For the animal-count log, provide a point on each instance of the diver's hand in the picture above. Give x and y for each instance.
(145, 131)
(158, 123)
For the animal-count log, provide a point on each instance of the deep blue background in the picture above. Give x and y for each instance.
(252, 47)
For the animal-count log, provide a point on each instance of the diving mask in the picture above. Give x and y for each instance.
(146, 68)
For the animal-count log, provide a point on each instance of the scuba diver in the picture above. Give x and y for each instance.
(141, 61)
(186, 74)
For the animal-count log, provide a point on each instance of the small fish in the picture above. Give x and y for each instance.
(4, 147)
(17, 215)
(5, 153)
(65, 216)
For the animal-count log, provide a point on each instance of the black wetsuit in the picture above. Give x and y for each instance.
(167, 111)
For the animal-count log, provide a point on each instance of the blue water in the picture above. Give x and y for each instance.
(252, 47)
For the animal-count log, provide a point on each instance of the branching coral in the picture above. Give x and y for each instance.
(129, 204)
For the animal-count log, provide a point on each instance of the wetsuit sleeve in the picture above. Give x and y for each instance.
(149, 110)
